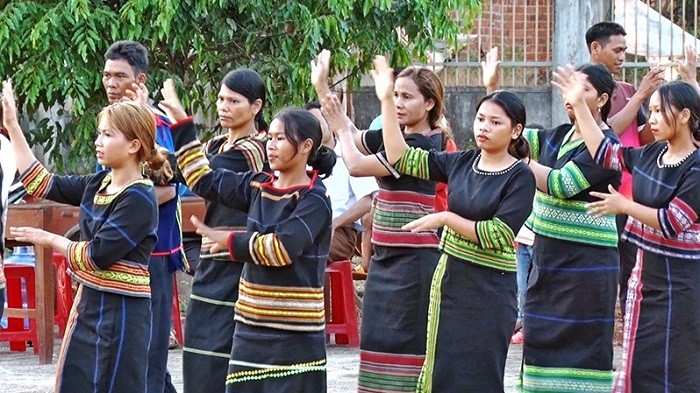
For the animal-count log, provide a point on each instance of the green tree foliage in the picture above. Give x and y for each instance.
(53, 50)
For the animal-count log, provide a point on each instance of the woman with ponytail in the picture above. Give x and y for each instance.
(662, 321)
(210, 312)
(473, 293)
(279, 340)
(105, 347)
(569, 310)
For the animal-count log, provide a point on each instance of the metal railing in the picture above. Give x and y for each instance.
(656, 30)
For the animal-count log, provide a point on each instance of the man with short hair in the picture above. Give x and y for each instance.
(126, 65)
(607, 44)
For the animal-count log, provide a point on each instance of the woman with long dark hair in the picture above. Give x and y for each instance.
(279, 340)
(473, 302)
(662, 322)
(570, 302)
(210, 312)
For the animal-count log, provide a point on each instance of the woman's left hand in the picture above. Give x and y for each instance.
(9, 106)
(36, 236)
(383, 76)
(427, 223)
(613, 203)
(218, 238)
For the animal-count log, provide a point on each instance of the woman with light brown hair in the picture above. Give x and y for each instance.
(105, 347)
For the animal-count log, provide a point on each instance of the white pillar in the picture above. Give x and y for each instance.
(571, 20)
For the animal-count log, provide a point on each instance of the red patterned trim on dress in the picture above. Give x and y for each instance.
(632, 308)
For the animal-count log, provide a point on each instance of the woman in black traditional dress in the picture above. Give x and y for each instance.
(662, 322)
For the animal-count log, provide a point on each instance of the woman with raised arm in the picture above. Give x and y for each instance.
(489, 188)
(279, 340)
(105, 347)
(662, 323)
(395, 303)
(569, 313)
(210, 311)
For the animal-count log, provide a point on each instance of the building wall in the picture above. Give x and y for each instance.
(520, 28)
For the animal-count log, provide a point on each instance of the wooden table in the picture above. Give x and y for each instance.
(55, 218)
(58, 218)
(191, 206)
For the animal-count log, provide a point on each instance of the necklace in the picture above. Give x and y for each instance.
(488, 173)
(663, 151)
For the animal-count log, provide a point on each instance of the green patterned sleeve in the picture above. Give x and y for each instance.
(414, 162)
(532, 137)
(567, 181)
(494, 234)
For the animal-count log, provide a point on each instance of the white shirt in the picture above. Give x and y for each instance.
(8, 167)
(345, 190)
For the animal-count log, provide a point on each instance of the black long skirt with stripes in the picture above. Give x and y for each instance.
(569, 317)
(662, 327)
(105, 347)
(395, 318)
(273, 360)
(210, 326)
(472, 313)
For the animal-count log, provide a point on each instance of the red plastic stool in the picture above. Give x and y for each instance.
(64, 292)
(341, 319)
(16, 333)
(177, 320)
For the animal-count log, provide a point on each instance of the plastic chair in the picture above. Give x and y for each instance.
(341, 310)
(19, 275)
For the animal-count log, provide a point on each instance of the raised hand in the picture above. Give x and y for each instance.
(170, 104)
(320, 67)
(9, 106)
(651, 81)
(138, 93)
(490, 69)
(571, 83)
(332, 111)
(612, 203)
(383, 76)
(687, 68)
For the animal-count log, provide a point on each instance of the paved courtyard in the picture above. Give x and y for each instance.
(20, 372)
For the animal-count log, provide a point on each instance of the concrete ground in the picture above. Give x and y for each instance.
(20, 372)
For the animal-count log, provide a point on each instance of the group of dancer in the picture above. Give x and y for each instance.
(440, 302)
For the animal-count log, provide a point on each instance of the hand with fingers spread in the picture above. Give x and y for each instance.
(612, 203)
(490, 70)
(170, 104)
(332, 111)
(138, 93)
(383, 76)
(687, 68)
(9, 106)
(571, 83)
(320, 67)
(651, 81)
(218, 238)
